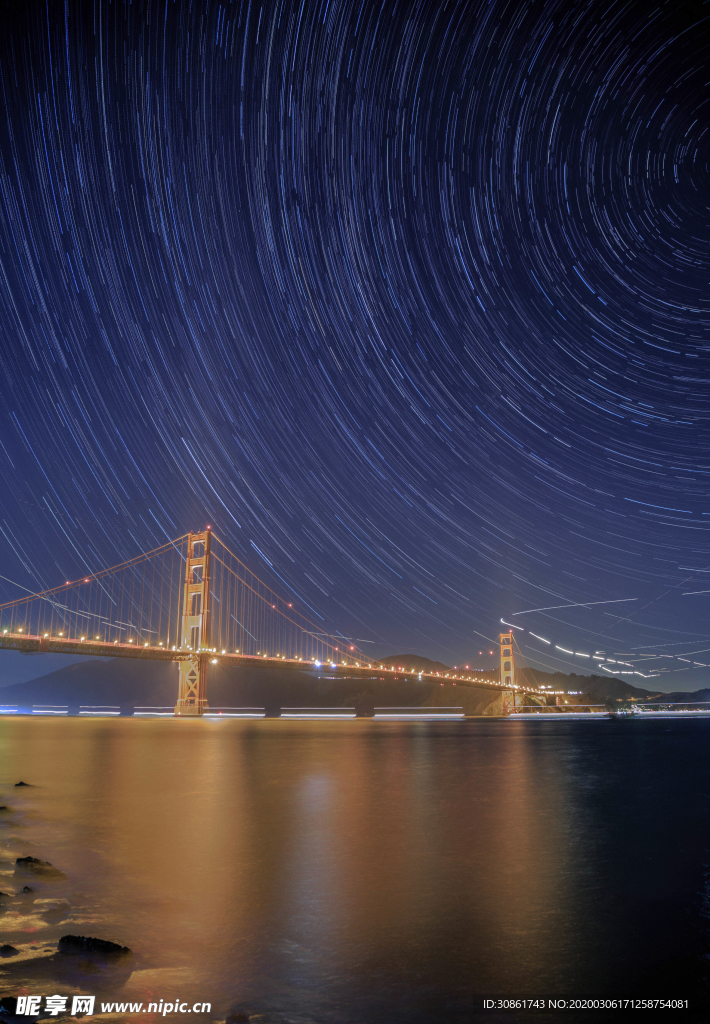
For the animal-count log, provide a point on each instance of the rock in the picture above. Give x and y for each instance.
(56, 914)
(22, 784)
(4, 807)
(37, 866)
(26, 888)
(83, 943)
(86, 967)
(8, 1006)
(9, 951)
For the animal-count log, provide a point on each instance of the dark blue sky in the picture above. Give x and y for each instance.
(408, 300)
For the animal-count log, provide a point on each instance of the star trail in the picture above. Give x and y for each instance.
(408, 300)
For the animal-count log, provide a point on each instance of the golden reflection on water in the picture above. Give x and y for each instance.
(336, 869)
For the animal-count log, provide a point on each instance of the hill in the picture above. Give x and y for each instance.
(414, 662)
(128, 683)
(597, 687)
(682, 697)
(118, 681)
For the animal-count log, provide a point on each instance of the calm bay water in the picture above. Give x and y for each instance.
(366, 872)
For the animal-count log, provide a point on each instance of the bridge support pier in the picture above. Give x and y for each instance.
(192, 689)
(511, 700)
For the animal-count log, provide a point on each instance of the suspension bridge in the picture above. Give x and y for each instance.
(194, 602)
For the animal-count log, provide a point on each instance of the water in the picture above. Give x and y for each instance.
(361, 872)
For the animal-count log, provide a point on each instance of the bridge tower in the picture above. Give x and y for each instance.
(507, 672)
(195, 626)
(507, 660)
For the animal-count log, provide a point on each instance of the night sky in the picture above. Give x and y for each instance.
(409, 301)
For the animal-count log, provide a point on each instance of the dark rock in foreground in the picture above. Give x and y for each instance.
(26, 889)
(56, 913)
(22, 784)
(37, 867)
(32, 862)
(4, 807)
(85, 944)
(9, 951)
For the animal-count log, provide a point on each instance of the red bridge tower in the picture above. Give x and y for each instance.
(195, 633)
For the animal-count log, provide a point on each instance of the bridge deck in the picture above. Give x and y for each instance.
(28, 644)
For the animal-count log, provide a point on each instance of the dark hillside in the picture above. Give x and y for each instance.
(681, 697)
(598, 687)
(415, 662)
(128, 683)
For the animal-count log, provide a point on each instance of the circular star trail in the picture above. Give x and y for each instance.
(408, 300)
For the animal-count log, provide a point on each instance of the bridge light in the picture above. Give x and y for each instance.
(214, 661)
(61, 634)
(145, 645)
(46, 634)
(130, 641)
(83, 638)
